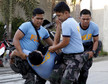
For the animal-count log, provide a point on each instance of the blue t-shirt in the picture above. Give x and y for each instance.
(45, 68)
(70, 28)
(88, 34)
(30, 40)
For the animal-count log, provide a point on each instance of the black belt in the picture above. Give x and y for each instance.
(72, 53)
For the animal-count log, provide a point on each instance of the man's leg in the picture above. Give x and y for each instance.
(83, 77)
(40, 80)
(57, 74)
(84, 72)
(21, 66)
(29, 78)
(72, 70)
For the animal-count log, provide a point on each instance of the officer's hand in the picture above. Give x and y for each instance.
(23, 55)
(90, 54)
(51, 49)
(58, 23)
(58, 51)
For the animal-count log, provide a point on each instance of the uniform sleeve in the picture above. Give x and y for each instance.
(46, 34)
(66, 30)
(23, 28)
(96, 31)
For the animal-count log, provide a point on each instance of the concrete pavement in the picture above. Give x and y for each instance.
(98, 73)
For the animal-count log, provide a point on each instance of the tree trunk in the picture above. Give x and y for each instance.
(91, 6)
(53, 5)
(10, 19)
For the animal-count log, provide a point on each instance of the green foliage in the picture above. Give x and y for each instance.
(103, 53)
(5, 5)
(16, 22)
(1, 30)
(8, 7)
(28, 6)
(74, 2)
(5, 9)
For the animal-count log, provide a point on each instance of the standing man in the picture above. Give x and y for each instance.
(26, 38)
(71, 45)
(90, 35)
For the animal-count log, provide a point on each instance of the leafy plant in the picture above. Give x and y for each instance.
(103, 53)
(8, 8)
(28, 6)
(16, 22)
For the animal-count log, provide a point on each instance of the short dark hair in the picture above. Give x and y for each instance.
(35, 58)
(85, 11)
(62, 7)
(37, 11)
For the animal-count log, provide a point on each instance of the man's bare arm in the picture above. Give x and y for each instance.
(18, 35)
(58, 32)
(95, 43)
(49, 41)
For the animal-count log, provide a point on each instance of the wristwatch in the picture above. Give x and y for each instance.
(93, 51)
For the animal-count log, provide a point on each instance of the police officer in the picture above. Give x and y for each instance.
(71, 45)
(90, 35)
(27, 38)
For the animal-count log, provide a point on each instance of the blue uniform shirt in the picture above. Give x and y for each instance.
(70, 28)
(90, 32)
(30, 40)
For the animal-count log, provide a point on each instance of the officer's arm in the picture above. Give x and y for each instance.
(18, 35)
(58, 33)
(95, 42)
(60, 45)
(95, 45)
(49, 41)
(65, 41)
